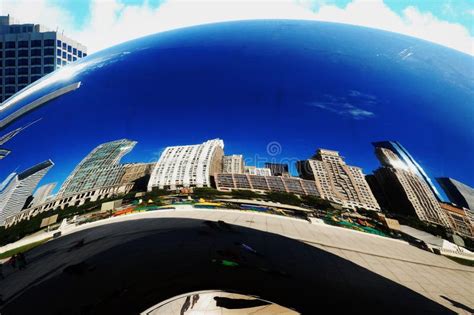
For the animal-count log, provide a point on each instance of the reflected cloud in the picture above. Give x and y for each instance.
(349, 106)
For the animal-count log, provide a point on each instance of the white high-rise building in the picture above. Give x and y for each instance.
(16, 188)
(188, 165)
(100, 168)
(30, 51)
(233, 164)
(42, 193)
(258, 171)
(338, 181)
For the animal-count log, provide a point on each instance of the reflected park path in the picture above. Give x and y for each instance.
(127, 264)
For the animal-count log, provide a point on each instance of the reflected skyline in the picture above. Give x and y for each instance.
(313, 99)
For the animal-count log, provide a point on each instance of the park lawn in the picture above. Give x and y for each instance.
(23, 248)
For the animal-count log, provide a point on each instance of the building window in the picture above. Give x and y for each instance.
(35, 78)
(74, 51)
(69, 57)
(36, 43)
(48, 51)
(64, 55)
(10, 89)
(10, 63)
(79, 53)
(36, 70)
(23, 53)
(36, 52)
(23, 62)
(23, 44)
(10, 45)
(10, 54)
(23, 80)
(59, 43)
(48, 61)
(69, 48)
(22, 70)
(10, 80)
(64, 46)
(58, 61)
(36, 61)
(49, 42)
(48, 69)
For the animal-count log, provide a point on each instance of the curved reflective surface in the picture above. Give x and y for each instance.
(303, 84)
(86, 139)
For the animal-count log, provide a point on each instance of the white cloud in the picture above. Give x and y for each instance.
(350, 105)
(112, 22)
(38, 11)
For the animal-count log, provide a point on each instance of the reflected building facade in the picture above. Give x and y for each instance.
(262, 184)
(42, 194)
(17, 188)
(278, 169)
(457, 192)
(135, 171)
(30, 51)
(337, 181)
(406, 191)
(233, 164)
(100, 168)
(405, 157)
(257, 171)
(460, 220)
(188, 165)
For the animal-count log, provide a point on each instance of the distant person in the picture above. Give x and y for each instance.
(12, 261)
(1, 272)
(195, 300)
(186, 305)
(21, 261)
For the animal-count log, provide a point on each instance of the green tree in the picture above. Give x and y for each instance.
(245, 194)
(283, 197)
(316, 202)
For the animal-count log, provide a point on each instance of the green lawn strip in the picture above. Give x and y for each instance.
(23, 248)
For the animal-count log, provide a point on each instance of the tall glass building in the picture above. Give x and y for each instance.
(409, 162)
(100, 168)
(16, 188)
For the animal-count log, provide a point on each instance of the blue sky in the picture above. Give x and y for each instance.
(99, 24)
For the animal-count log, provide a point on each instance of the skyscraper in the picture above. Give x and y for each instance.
(457, 192)
(16, 188)
(188, 165)
(337, 181)
(405, 190)
(405, 157)
(100, 168)
(42, 193)
(233, 164)
(278, 169)
(30, 52)
(258, 171)
(134, 171)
